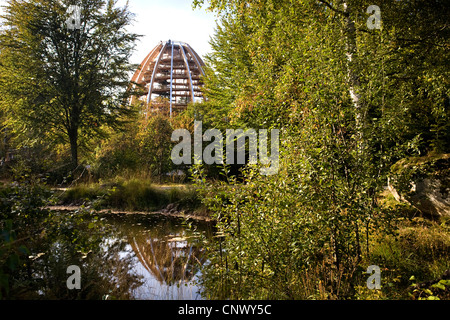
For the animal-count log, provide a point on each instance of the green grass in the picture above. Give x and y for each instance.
(81, 193)
(418, 252)
(134, 195)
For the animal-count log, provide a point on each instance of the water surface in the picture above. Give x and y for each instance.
(166, 253)
(120, 256)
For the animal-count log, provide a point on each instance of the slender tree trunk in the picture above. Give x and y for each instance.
(358, 242)
(335, 246)
(160, 169)
(353, 73)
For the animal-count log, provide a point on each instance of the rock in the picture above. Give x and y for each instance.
(430, 189)
(427, 197)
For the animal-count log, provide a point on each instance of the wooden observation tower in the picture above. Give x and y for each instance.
(170, 76)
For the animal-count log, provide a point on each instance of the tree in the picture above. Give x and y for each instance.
(351, 103)
(64, 73)
(155, 143)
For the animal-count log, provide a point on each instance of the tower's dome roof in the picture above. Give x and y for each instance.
(172, 70)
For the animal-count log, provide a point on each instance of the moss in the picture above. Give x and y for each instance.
(409, 162)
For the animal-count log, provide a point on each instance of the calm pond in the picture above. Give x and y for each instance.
(121, 256)
(166, 253)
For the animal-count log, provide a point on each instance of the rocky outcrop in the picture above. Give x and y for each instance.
(428, 179)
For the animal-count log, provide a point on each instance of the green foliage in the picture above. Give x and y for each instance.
(354, 107)
(21, 215)
(37, 245)
(118, 154)
(10, 254)
(63, 85)
(350, 104)
(155, 144)
(143, 150)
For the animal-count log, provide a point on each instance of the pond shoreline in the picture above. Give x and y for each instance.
(164, 212)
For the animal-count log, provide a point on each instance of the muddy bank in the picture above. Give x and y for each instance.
(171, 211)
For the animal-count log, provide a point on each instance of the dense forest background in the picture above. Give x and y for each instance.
(363, 114)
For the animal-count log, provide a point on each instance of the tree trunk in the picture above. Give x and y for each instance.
(73, 139)
(354, 83)
(353, 76)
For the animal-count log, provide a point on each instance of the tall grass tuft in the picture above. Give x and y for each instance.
(134, 195)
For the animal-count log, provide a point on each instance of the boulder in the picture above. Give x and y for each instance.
(429, 182)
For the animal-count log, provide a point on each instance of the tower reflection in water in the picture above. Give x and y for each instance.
(167, 253)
